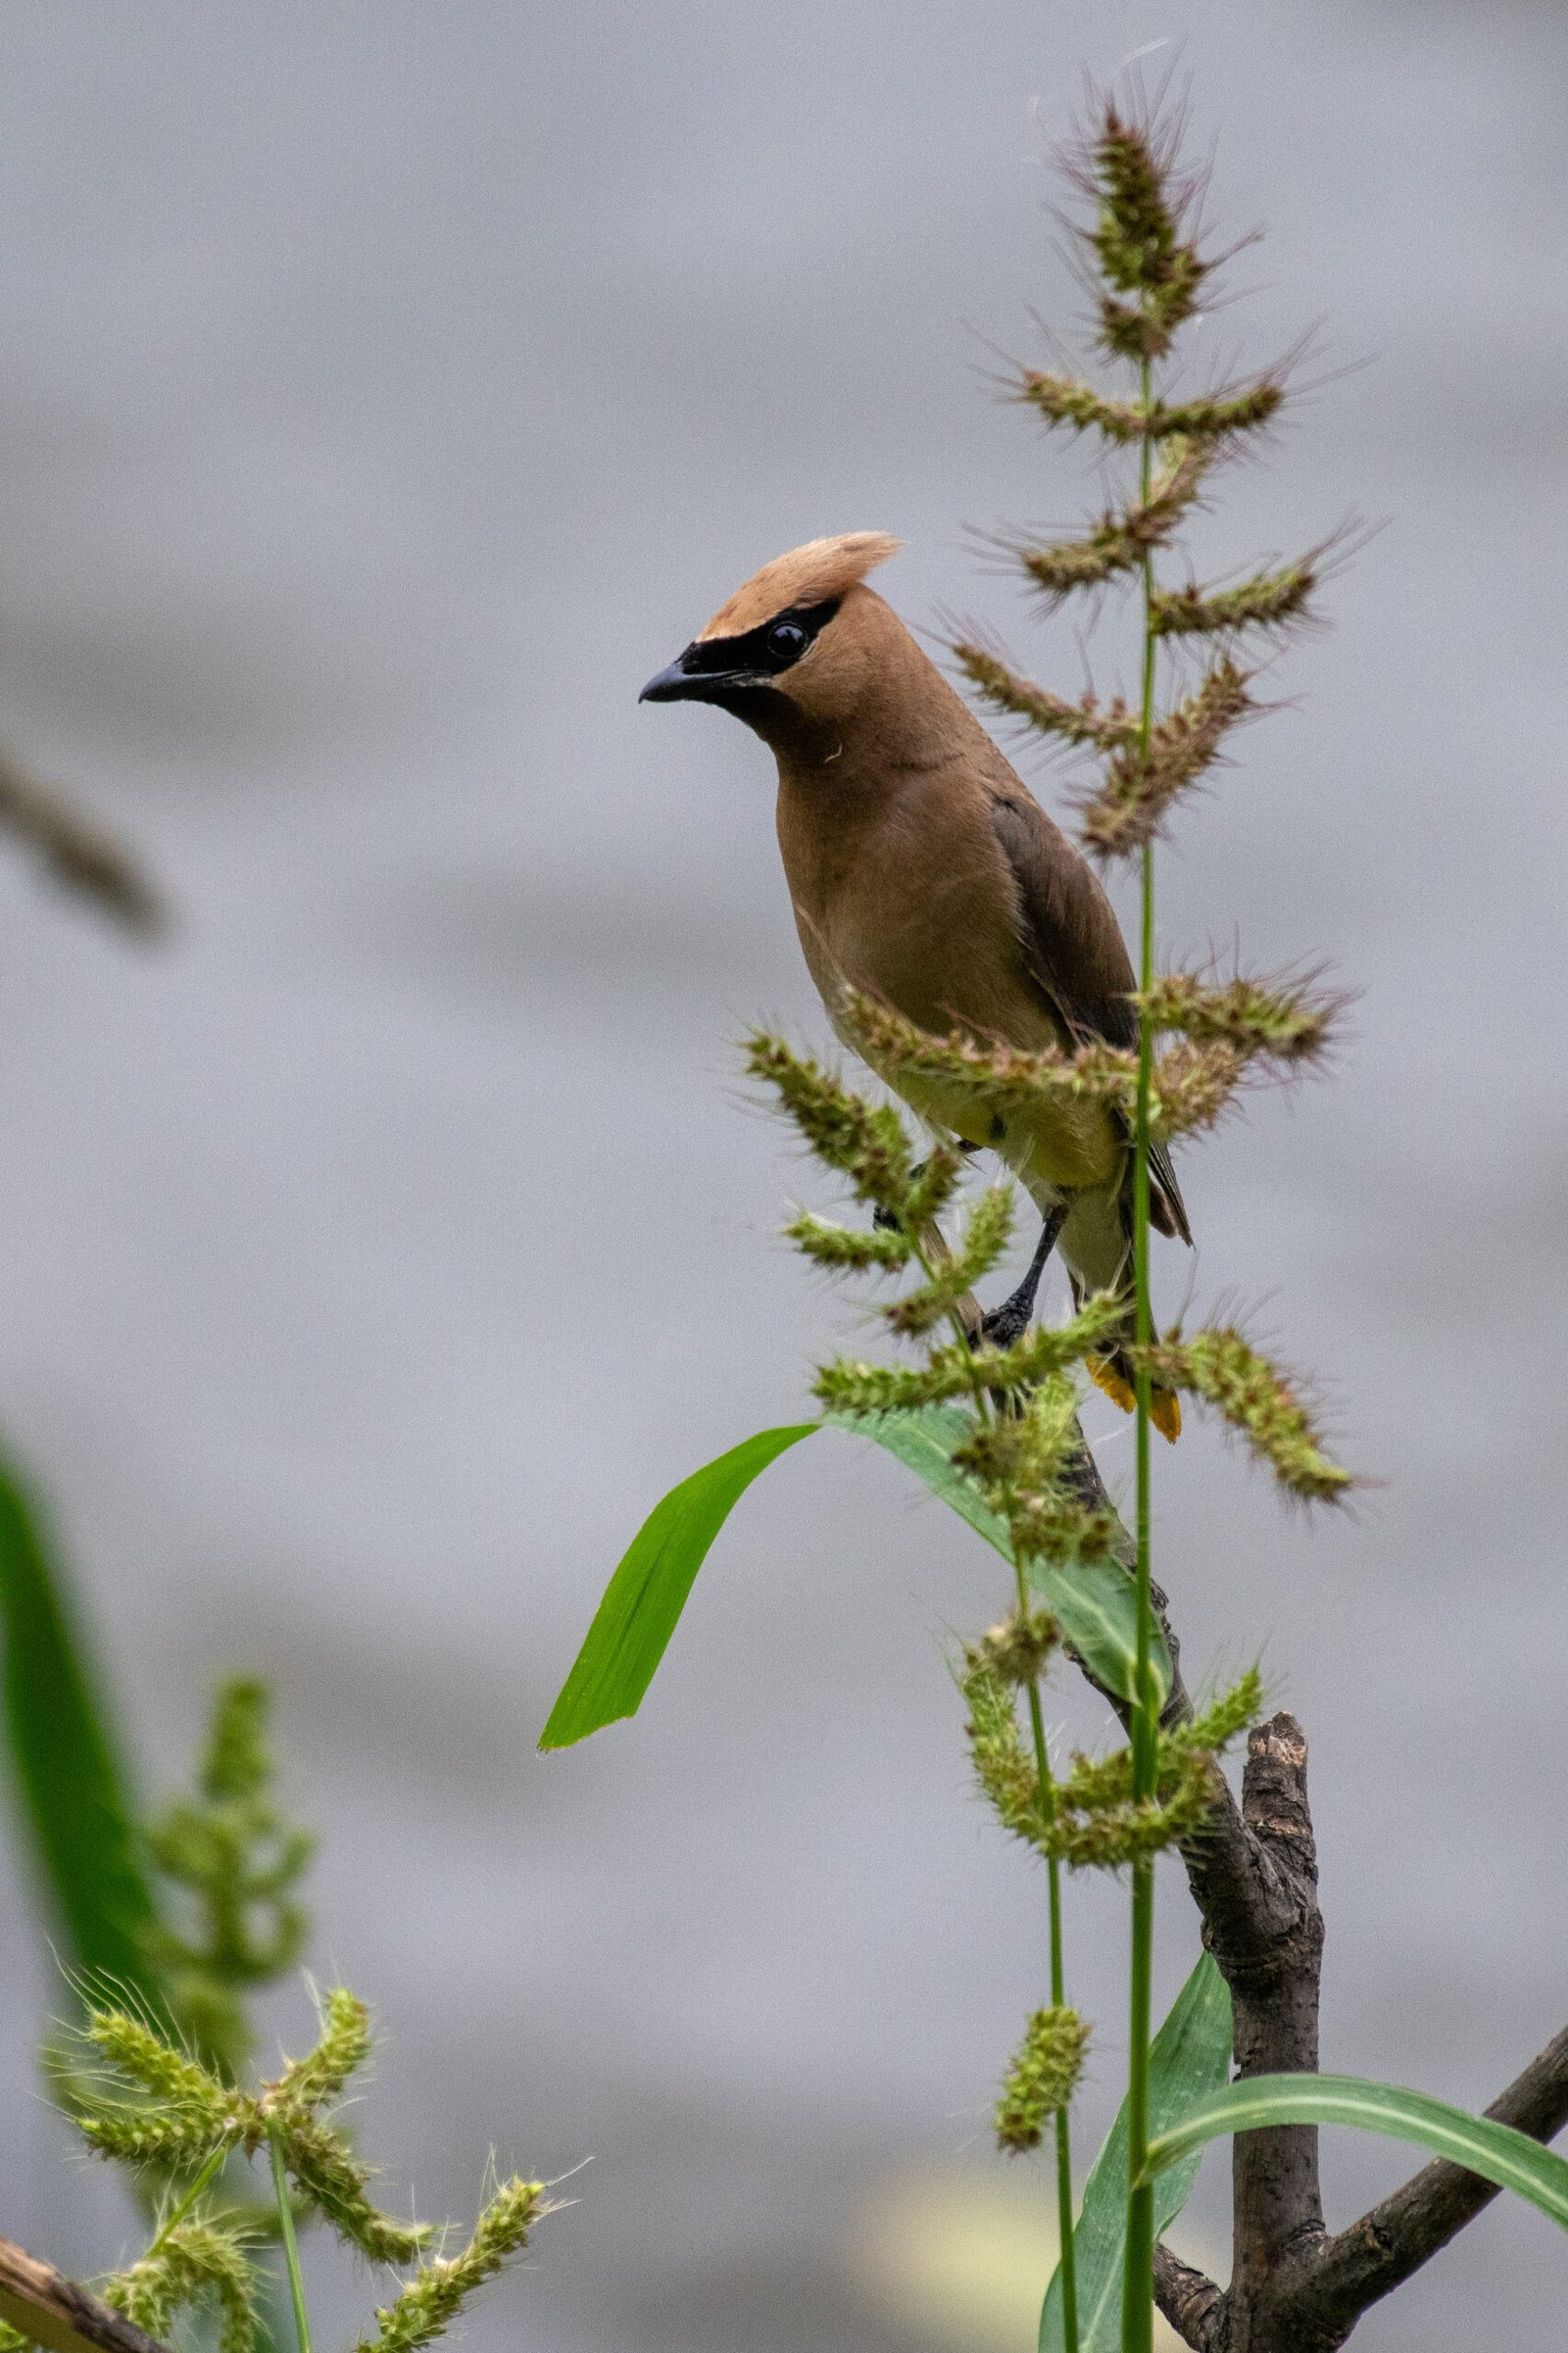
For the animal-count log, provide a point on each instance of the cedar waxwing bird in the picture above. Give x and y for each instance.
(924, 872)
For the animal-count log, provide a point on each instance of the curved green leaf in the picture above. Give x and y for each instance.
(646, 1595)
(65, 1760)
(1095, 1601)
(1496, 2152)
(1187, 2057)
(1095, 1605)
(922, 1438)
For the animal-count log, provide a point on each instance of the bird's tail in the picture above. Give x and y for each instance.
(1096, 1248)
(1114, 1375)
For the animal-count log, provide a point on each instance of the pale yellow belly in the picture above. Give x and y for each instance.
(1071, 1148)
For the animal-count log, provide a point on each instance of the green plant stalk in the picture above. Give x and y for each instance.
(1138, 2286)
(291, 2245)
(1068, 2253)
(171, 2221)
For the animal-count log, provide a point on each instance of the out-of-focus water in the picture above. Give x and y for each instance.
(384, 393)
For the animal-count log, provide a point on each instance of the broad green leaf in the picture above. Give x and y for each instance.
(1188, 2058)
(1095, 1605)
(646, 1595)
(1496, 2152)
(922, 1439)
(1093, 1601)
(65, 1760)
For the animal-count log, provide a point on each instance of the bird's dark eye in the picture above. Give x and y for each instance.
(787, 641)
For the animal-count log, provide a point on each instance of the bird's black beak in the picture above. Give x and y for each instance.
(677, 684)
(700, 676)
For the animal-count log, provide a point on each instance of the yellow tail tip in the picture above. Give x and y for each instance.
(1104, 1376)
(1165, 1406)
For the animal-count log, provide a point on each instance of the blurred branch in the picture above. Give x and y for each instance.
(78, 853)
(51, 2310)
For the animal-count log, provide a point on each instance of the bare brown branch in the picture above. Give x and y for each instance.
(1253, 1870)
(53, 2311)
(1189, 2300)
(1356, 2268)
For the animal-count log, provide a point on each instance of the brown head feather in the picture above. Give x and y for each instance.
(807, 575)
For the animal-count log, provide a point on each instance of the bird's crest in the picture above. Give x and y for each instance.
(812, 574)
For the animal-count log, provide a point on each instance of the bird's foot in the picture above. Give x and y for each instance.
(1011, 1321)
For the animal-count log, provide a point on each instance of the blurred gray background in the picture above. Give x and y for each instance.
(386, 392)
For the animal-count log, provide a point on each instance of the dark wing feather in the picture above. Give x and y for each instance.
(1075, 955)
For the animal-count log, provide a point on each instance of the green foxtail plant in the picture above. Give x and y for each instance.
(233, 1922)
(228, 2163)
(1148, 278)
(1020, 1446)
(146, 2102)
(992, 1430)
(226, 1915)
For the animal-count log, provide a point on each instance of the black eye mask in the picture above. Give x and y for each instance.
(762, 653)
(735, 672)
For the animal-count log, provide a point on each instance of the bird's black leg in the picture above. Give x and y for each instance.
(1010, 1322)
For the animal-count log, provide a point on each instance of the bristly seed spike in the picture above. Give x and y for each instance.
(1140, 785)
(1120, 541)
(1268, 600)
(1291, 1023)
(1257, 1399)
(1235, 409)
(1108, 727)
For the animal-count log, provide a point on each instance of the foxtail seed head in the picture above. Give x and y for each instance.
(1041, 2078)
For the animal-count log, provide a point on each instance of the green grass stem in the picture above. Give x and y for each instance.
(177, 2213)
(291, 2245)
(1059, 1996)
(1068, 2257)
(1138, 2290)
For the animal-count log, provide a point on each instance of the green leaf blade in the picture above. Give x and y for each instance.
(1095, 1605)
(644, 1599)
(66, 1761)
(1095, 1601)
(1495, 2152)
(1188, 2058)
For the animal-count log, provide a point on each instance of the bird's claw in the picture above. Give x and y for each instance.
(1005, 1324)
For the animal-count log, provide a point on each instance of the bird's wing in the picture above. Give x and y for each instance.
(1074, 953)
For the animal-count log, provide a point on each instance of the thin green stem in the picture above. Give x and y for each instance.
(172, 2219)
(1138, 2295)
(1048, 1807)
(1068, 2257)
(1065, 2226)
(291, 2245)
(1138, 2284)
